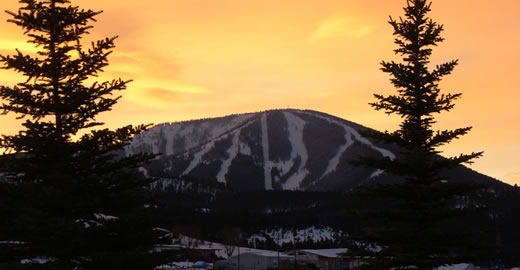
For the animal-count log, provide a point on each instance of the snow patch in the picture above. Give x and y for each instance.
(143, 171)
(13, 242)
(182, 265)
(256, 238)
(104, 217)
(245, 149)
(168, 183)
(296, 126)
(220, 249)
(282, 236)
(38, 260)
(88, 223)
(232, 153)
(192, 133)
(265, 149)
(376, 173)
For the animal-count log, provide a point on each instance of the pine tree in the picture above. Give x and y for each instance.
(76, 201)
(418, 208)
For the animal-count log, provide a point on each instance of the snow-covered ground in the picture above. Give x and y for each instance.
(283, 236)
(221, 250)
(37, 260)
(184, 265)
(280, 235)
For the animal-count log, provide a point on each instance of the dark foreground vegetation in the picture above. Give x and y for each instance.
(68, 195)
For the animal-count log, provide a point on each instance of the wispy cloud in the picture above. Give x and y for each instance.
(341, 26)
(157, 78)
(163, 96)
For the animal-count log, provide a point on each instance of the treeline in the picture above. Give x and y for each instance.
(209, 213)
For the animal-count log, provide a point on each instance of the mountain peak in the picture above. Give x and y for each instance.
(277, 149)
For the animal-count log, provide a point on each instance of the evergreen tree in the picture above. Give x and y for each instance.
(417, 208)
(80, 201)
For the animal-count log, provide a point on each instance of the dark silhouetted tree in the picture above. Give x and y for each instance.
(230, 239)
(415, 229)
(77, 201)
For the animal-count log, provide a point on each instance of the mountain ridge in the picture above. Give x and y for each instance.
(286, 149)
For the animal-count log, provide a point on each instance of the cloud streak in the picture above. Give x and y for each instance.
(163, 97)
(342, 26)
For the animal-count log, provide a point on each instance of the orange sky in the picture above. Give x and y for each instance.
(204, 58)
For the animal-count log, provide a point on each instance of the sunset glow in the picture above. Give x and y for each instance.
(191, 59)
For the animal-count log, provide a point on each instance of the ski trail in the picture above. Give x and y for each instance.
(197, 158)
(296, 125)
(351, 134)
(232, 153)
(265, 148)
(334, 162)
(357, 136)
(366, 142)
(376, 173)
(170, 132)
(205, 148)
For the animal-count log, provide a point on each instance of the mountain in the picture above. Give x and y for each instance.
(278, 149)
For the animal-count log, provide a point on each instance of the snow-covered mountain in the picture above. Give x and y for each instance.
(277, 149)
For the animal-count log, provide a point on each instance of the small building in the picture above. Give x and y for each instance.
(331, 259)
(258, 260)
(459, 266)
